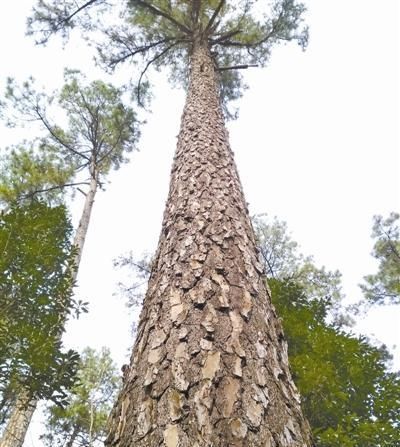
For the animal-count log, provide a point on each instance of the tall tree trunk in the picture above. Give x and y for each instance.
(210, 365)
(21, 415)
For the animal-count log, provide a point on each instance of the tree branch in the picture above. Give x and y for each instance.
(214, 16)
(160, 12)
(157, 56)
(237, 67)
(58, 139)
(139, 50)
(225, 36)
(77, 11)
(52, 188)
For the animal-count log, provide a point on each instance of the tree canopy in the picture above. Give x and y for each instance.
(349, 395)
(240, 34)
(99, 130)
(345, 382)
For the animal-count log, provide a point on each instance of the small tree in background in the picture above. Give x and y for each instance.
(384, 286)
(83, 421)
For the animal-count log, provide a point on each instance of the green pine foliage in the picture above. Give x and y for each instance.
(161, 33)
(384, 286)
(27, 173)
(98, 131)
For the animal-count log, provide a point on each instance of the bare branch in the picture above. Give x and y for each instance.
(156, 57)
(47, 125)
(77, 11)
(140, 267)
(138, 50)
(237, 67)
(52, 188)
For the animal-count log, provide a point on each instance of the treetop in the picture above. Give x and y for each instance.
(239, 34)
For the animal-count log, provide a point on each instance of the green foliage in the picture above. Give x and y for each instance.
(384, 286)
(348, 395)
(282, 261)
(61, 17)
(101, 127)
(26, 173)
(83, 421)
(35, 299)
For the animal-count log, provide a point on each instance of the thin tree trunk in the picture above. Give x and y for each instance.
(91, 424)
(81, 231)
(21, 415)
(20, 418)
(210, 365)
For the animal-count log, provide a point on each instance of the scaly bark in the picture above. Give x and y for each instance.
(210, 364)
(24, 407)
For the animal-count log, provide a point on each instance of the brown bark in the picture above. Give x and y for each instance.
(20, 418)
(21, 415)
(209, 366)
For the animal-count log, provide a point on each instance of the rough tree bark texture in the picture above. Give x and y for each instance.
(20, 418)
(210, 365)
(21, 415)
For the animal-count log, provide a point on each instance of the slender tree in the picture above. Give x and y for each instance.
(101, 130)
(83, 421)
(209, 366)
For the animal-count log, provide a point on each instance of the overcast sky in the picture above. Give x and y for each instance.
(316, 143)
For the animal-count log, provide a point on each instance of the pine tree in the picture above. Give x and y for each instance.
(101, 130)
(209, 366)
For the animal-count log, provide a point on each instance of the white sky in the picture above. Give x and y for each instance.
(316, 143)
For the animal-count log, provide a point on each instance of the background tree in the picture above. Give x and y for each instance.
(345, 381)
(83, 421)
(384, 286)
(100, 130)
(35, 290)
